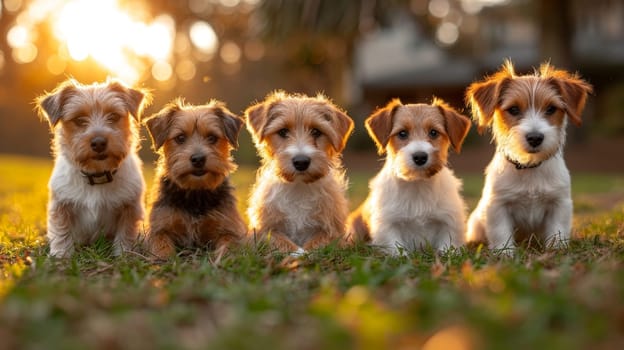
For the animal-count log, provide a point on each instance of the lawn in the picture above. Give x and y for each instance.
(330, 298)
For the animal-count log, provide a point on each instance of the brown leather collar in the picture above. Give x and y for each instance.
(99, 178)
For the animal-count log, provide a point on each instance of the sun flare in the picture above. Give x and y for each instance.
(124, 41)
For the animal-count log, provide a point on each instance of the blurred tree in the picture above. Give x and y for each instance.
(318, 36)
(556, 32)
(7, 69)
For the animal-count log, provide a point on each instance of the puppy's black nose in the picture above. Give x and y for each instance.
(535, 138)
(198, 160)
(420, 158)
(98, 144)
(301, 163)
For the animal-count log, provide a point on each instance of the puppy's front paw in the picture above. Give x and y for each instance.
(557, 242)
(298, 253)
(161, 247)
(504, 246)
(61, 248)
(61, 254)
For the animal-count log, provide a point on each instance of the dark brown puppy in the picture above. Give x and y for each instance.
(193, 203)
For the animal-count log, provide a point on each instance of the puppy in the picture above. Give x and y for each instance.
(96, 188)
(414, 200)
(193, 200)
(298, 200)
(527, 184)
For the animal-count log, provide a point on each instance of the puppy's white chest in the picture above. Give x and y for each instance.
(94, 219)
(298, 203)
(530, 208)
(536, 190)
(530, 195)
(412, 213)
(407, 213)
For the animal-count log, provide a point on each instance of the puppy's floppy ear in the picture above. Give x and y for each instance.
(482, 97)
(572, 89)
(50, 106)
(134, 99)
(457, 125)
(343, 125)
(159, 123)
(231, 124)
(379, 124)
(256, 118)
(574, 93)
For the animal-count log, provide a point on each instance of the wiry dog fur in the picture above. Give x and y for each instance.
(414, 201)
(96, 187)
(298, 200)
(193, 201)
(527, 184)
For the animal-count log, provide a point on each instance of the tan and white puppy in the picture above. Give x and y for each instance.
(96, 187)
(298, 201)
(414, 201)
(527, 184)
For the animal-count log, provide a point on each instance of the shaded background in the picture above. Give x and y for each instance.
(361, 53)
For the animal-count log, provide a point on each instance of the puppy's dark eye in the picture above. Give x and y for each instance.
(180, 139)
(212, 139)
(403, 134)
(81, 121)
(514, 110)
(551, 110)
(113, 118)
(433, 133)
(316, 133)
(283, 133)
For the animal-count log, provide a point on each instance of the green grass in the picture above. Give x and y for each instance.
(330, 298)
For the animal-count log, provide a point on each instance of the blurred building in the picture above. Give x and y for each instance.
(404, 60)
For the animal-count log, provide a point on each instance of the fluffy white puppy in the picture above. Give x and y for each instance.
(414, 201)
(527, 184)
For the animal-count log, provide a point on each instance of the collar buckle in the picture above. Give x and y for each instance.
(99, 178)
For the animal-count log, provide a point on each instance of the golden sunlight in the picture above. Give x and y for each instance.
(118, 39)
